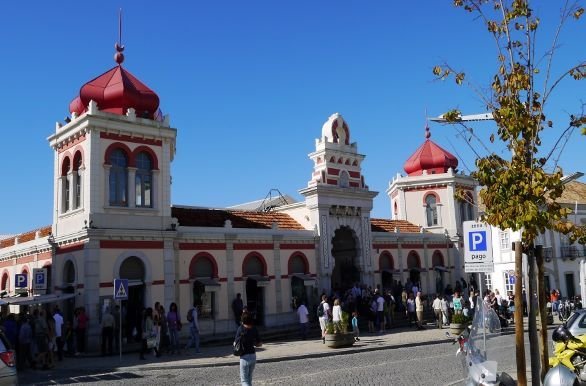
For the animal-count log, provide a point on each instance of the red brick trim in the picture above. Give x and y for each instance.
(244, 247)
(128, 138)
(385, 246)
(297, 246)
(158, 282)
(107, 285)
(127, 244)
(354, 174)
(333, 171)
(71, 144)
(203, 246)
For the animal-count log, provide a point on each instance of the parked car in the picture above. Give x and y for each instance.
(8, 375)
(576, 323)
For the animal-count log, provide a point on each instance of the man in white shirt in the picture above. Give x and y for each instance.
(302, 313)
(324, 316)
(380, 307)
(437, 309)
(58, 332)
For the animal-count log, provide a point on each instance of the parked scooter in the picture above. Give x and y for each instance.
(479, 348)
(569, 352)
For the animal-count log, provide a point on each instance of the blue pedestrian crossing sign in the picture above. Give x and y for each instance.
(477, 247)
(120, 289)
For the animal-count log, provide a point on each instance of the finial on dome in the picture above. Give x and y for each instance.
(119, 56)
(427, 132)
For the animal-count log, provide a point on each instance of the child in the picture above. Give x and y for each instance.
(355, 326)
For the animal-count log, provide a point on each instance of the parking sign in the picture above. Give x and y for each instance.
(39, 279)
(20, 280)
(477, 247)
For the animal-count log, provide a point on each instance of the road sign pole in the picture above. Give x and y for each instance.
(120, 328)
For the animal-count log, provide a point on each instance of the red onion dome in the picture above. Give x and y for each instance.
(116, 91)
(430, 157)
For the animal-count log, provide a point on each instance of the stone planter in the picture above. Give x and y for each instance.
(340, 340)
(457, 328)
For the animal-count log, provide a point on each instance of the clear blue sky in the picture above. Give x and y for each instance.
(248, 85)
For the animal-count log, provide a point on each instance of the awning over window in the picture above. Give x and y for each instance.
(308, 280)
(261, 281)
(391, 271)
(210, 284)
(30, 300)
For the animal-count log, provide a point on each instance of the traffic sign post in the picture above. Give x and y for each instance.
(477, 248)
(120, 293)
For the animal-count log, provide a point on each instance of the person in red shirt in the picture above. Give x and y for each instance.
(555, 300)
(80, 330)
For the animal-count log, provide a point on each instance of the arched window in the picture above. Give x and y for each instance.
(413, 261)
(203, 269)
(69, 272)
(4, 286)
(298, 264)
(143, 180)
(344, 179)
(65, 184)
(77, 180)
(437, 259)
(431, 210)
(118, 178)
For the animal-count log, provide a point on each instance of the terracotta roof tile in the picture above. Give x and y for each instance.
(383, 225)
(26, 236)
(198, 217)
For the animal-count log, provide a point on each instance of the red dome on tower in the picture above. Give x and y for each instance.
(430, 157)
(116, 91)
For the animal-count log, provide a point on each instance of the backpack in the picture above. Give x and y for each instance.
(320, 310)
(190, 315)
(238, 345)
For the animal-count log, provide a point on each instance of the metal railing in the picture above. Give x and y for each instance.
(572, 251)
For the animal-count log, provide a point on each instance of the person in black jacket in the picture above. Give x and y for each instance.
(249, 338)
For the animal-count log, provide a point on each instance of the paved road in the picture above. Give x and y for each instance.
(400, 356)
(429, 365)
(432, 364)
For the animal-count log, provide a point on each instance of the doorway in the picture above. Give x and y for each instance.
(255, 301)
(345, 253)
(132, 268)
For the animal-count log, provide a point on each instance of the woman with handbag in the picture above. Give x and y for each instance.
(149, 334)
(248, 338)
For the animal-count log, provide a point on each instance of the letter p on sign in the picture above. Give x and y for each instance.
(477, 241)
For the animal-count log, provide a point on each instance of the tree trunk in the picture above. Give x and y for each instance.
(542, 297)
(519, 338)
(532, 303)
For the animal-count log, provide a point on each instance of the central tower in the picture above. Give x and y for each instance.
(339, 203)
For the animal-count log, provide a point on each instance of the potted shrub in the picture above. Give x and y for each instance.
(337, 334)
(458, 323)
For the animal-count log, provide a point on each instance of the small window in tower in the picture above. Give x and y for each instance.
(143, 180)
(77, 180)
(65, 185)
(118, 178)
(431, 210)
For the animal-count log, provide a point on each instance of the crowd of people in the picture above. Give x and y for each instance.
(42, 336)
(159, 330)
(377, 309)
